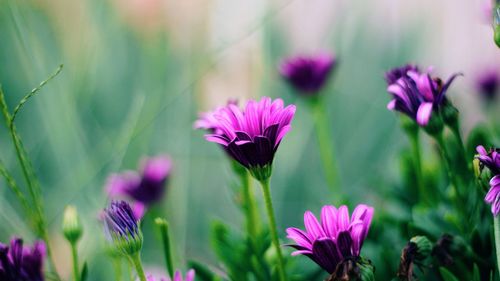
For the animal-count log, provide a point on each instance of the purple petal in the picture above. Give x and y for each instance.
(329, 220)
(343, 218)
(424, 113)
(299, 236)
(314, 229)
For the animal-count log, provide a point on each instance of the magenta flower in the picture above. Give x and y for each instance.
(18, 263)
(145, 187)
(335, 239)
(252, 136)
(416, 94)
(487, 83)
(177, 277)
(493, 195)
(121, 227)
(308, 74)
(491, 160)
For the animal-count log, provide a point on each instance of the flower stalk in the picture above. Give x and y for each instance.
(496, 227)
(167, 249)
(273, 228)
(136, 261)
(413, 135)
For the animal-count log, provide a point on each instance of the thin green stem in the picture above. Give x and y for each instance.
(326, 146)
(167, 249)
(117, 265)
(74, 254)
(496, 227)
(272, 227)
(33, 186)
(415, 148)
(136, 261)
(464, 173)
(15, 188)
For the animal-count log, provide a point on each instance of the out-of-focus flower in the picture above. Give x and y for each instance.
(177, 277)
(72, 228)
(496, 24)
(252, 136)
(18, 263)
(487, 83)
(447, 247)
(416, 251)
(336, 239)
(145, 187)
(493, 195)
(121, 228)
(418, 95)
(308, 74)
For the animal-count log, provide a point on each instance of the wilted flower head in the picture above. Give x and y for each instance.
(121, 228)
(251, 136)
(335, 239)
(488, 83)
(144, 187)
(308, 74)
(416, 94)
(18, 263)
(177, 277)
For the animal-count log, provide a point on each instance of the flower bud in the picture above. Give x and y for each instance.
(71, 226)
(423, 247)
(122, 228)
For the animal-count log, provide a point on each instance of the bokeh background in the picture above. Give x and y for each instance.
(137, 72)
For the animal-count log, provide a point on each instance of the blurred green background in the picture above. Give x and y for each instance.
(137, 72)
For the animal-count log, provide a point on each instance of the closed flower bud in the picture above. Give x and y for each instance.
(423, 247)
(72, 228)
(122, 228)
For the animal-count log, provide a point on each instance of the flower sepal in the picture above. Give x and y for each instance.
(128, 245)
(353, 269)
(261, 173)
(449, 114)
(435, 125)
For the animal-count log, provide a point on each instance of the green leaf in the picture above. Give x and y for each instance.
(447, 275)
(475, 274)
(203, 273)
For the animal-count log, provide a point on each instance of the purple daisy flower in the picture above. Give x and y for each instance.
(145, 187)
(252, 136)
(493, 195)
(335, 239)
(122, 228)
(308, 74)
(416, 94)
(177, 277)
(18, 263)
(487, 83)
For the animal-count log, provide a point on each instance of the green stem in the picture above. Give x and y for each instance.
(117, 265)
(496, 226)
(272, 227)
(33, 187)
(326, 146)
(136, 261)
(15, 188)
(74, 254)
(415, 148)
(167, 249)
(464, 173)
(252, 223)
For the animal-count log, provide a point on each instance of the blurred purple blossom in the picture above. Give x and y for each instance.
(18, 263)
(488, 82)
(177, 277)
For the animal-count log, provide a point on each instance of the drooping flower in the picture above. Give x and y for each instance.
(308, 74)
(121, 228)
(144, 187)
(416, 94)
(177, 277)
(252, 136)
(336, 239)
(18, 263)
(488, 83)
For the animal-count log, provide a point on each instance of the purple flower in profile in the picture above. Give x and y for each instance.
(416, 94)
(121, 227)
(335, 239)
(145, 187)
(308, 74)
(18, 263)
(252, 136)
(177, 277)
(488, 83)
(491, 160)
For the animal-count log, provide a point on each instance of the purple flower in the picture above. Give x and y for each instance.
(207, 120)
(416, 94)
(308, 74)
(487, 83)
(393, 75)
(121, 227)
(145, 187)
(334, 239)
(18, 263)
(489, 159)
(493, 195)
(177, 277)
(252, 136)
